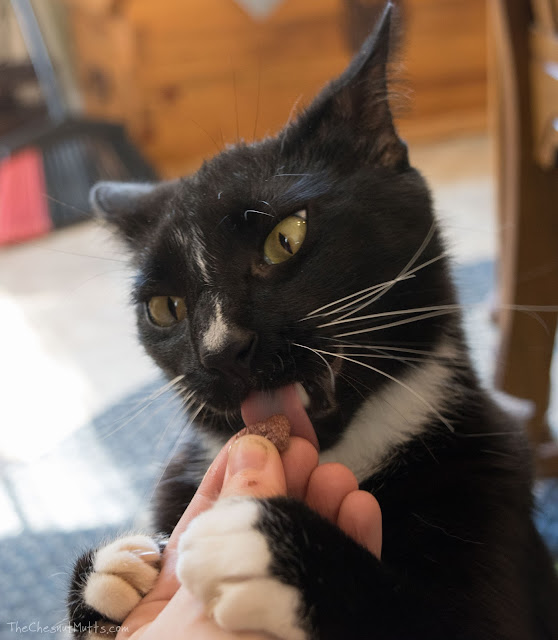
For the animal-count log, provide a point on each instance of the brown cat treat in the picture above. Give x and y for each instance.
(276, 429)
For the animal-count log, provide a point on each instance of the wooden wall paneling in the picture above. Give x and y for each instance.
(173, 65)
(106, 59)
(444, 63)
(197, 88)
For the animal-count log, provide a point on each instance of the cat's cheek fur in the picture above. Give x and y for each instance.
(225, 561)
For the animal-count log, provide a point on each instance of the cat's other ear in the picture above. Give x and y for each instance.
(356, 103)
(133, 208)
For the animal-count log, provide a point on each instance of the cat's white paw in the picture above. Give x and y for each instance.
(122, 573)
(225, 561)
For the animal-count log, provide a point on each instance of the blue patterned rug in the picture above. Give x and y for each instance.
(101, 480)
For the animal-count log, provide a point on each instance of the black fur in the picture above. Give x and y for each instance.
(461, 557)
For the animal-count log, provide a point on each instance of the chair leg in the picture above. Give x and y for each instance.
(529, 233)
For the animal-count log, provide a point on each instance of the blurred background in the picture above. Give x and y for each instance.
(133, 89)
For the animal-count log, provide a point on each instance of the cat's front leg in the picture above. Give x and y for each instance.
(273, 565)
(107, 583)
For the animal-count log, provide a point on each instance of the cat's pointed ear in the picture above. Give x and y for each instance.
(356, 102)
(133, 208)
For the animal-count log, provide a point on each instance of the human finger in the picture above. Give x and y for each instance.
(328, 485)
(361, 518)
(299, 461)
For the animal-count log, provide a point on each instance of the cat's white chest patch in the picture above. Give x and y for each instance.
(397, 413)
(215, 338)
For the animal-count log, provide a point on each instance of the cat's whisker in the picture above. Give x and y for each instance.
(368, 290)
(236, 106)
(94, 277)
(331, 374)
(282, 364)
(368, 297)
(409, 274)
(258, 99)
(424, 316)
(364, 293)
(384, 314)
(136, 415)
(170, 423)
(229, 420)
(170, 457)
(352, 345)
(292, 112)
(284, 175)
(487, 435)
(219, 149)
(397, 381)
(383, 356)
(405, 271)
(147, 402)
(413, 357)
(84, 255)
(531, 310)
(67, 204)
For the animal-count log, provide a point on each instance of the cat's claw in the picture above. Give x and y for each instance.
(225, 560)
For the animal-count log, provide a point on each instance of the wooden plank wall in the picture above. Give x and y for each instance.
(189, 76)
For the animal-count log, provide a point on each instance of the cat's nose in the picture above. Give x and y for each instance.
(232, 353)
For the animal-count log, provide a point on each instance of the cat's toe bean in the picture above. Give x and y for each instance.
(122, 573)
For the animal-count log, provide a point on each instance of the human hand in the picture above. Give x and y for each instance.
(252, 466)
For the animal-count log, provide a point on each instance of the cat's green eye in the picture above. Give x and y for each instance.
(285, 239)
(164, 311)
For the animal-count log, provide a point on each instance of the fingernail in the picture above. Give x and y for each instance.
(248, 452)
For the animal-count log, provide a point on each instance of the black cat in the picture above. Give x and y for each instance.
(311, 262)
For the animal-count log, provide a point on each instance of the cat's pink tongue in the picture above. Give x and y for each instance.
(260, 405)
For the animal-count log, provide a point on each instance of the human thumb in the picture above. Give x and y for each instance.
(254, 468)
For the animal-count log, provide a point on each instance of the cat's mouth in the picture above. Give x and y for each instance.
(290, 401)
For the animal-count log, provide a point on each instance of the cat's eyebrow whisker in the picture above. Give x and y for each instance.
(267, 203)
(263, 213)
(424, 316)
(383, 314)
(397, 381)
(317, 352)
